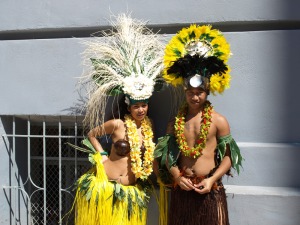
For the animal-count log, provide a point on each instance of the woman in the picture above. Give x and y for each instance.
(116, 189)
(118, 166)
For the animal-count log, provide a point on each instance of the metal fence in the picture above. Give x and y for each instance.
(42, 168)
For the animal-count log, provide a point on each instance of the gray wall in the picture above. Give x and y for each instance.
(40, 61)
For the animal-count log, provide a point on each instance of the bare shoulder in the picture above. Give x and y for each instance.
(112, 125)
(221, 124)
(108, 127)
(218, 118)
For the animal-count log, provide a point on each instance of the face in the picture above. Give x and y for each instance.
(139, 110)
(195, 97)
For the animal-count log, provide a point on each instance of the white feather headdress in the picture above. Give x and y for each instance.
(127, 60)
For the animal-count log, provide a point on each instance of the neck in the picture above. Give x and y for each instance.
(138, 123)
(194, 112)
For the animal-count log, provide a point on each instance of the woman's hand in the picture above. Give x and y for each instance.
(104, 158)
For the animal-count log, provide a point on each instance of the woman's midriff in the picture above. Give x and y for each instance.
(119, 171)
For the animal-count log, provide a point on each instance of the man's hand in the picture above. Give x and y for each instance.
(204, 186)
(184, 183)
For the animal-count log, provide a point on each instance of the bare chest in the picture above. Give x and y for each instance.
(196, 132)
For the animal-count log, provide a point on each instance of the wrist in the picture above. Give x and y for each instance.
(177, 179)
(213, 179)
(103, 153)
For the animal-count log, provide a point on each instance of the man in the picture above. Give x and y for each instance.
(198, 148)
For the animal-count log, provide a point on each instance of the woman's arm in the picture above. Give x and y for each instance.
(109, 127)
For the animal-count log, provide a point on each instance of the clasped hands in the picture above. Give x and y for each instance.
(202, 187)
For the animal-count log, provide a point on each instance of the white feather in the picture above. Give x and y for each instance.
(129, 48)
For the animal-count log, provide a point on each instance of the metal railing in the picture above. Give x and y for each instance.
(42, 169)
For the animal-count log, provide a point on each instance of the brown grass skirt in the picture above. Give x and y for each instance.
(191, 208)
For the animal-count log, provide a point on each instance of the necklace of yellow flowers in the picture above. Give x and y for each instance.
(141, 168)
(201, 141)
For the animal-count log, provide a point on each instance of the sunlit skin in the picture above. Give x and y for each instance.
(202, 165)
(119, 167)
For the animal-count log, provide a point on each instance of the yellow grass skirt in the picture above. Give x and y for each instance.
(99, 201)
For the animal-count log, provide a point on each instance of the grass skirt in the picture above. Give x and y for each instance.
(191, 208)
(99, 201)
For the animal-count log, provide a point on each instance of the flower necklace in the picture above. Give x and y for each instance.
(201, 141)
(141, 169)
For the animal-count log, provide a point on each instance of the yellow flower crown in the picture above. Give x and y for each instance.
(200, 42)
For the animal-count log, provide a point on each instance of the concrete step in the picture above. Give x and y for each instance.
(258, 205)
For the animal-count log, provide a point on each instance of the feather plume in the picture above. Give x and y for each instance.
(191, 65)
(128, 49)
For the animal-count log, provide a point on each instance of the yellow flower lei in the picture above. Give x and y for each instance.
(176, 48)
(201, 141)
(141, 169)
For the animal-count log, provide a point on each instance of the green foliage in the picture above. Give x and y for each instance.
(87, 143)
(235, 153)
(206, 37)
(192, 35)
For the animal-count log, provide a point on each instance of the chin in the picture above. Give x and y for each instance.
(140, 117)
(195, 104)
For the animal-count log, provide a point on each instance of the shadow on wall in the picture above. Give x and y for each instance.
(290, 86)
(162, 107)
(14, 191)
(78, 107)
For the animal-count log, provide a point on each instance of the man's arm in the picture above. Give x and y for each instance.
(184, 183)
(223, 129)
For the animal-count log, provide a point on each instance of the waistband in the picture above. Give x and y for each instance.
(197, 179)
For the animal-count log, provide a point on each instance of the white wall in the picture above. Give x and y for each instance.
(40, 61)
